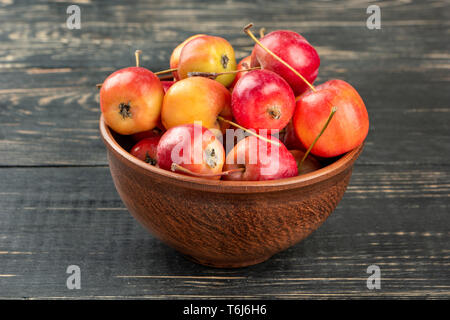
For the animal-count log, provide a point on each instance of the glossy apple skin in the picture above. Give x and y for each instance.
(294, 50)
(309, 165)
(242, 65)
(208, 54)
(347, 129)
(140, 90)
(145, 150)
(262, 100)
(190, 146)
(175, 57)
(159, 129)
(262, 160)
(196, 99)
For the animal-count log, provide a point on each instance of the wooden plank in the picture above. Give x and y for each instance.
(394, 217)
(111, 42)
(34, 35)
(394, 214)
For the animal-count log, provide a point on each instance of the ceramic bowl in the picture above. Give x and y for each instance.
(225, 223)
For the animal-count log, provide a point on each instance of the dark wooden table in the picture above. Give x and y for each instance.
(58, 205)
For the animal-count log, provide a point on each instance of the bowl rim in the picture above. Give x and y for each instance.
(222, 186)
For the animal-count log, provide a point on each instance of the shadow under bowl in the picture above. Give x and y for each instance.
(226, 223)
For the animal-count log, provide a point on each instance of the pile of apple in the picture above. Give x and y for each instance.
(181, 124)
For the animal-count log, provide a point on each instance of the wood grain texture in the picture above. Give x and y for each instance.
(74, 216)
(58, 205)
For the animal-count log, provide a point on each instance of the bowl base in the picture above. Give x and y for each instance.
(223, 264)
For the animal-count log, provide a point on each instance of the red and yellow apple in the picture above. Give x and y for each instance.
(196, 99)
(175, 57)
(346, 130)
(261, 160)
(131, 99)
(208, 54)
(193, 148)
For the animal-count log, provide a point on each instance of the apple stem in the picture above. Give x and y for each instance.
(333, 111)
(262, 31)
(251, 35)
(247, 130)
(99, 85)
(176, 167)
(214, 75)
(166, 71)
(137, 54)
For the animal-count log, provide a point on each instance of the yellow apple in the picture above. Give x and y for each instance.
(208, 54)
(196, 99)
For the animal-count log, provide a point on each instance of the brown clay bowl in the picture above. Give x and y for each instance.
(226, 223)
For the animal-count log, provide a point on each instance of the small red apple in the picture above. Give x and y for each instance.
(191, 147)
(346, 130)
(295, 51)
(145, 150)
(262, 99)
(131, 100)
(175, 57)
(261, 160)
(242, 65)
